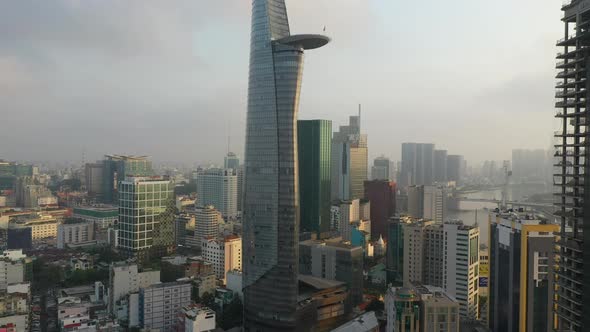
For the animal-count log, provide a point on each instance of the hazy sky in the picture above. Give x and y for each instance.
(169, 78)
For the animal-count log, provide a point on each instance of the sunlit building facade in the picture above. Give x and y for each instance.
(271, 193)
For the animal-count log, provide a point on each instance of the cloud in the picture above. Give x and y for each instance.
(169, 78)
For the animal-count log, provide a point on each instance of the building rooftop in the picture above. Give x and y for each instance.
(125, 157)
(335, 242)
(319, 283)
(365, 322)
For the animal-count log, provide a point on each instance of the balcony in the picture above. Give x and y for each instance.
(570, 102)
(570, 84)
(570, 53)
(570, 93)
(567, 153)
(575, 144)
(567, 41)
(568, 133)
(570, 73)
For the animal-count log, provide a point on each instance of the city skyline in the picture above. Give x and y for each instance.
(153, 76)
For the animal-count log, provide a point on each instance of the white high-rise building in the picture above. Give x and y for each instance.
(461, 266)
(225, 254)
(345, 213)
(444, 255)
(219, 187)
(207, 220)
(414, 244)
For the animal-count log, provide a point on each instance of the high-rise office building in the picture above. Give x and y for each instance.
(395, 251)
(336, 260)
(231, 161)
(349, 161)
(146, 217)
(219, 187)
(381, 169)
(427, 202)
(271, 194)
(455, 168)
(117, 168)
(315, 146)
(421, 308)
(443, 255)
(417, 164)
(529, 166)
(381, 194)
(440, 166)
(346, 213)
(94, 174)
(461, 266)
(240, 172)
(10, 172)
(521, 284)
(207, 220)
(573, 210)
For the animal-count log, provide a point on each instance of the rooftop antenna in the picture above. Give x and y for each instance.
(359, 117)
(228, 135)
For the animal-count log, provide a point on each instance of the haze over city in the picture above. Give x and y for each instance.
(169, 80)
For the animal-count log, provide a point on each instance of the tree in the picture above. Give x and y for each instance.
(46, 275)
(208, 300)
(83, 277)
(232, 314)
(170, 272)
(376, 306)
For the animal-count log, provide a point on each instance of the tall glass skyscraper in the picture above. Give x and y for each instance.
(271, 197)
(315, 146)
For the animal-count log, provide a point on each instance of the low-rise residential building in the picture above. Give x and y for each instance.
(103, 217)
(84, 262)
(197, 319)
(75, 232)
(124, 280)
(160, 305)
(15, 268)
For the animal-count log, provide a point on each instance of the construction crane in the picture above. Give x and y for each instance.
(507, 175)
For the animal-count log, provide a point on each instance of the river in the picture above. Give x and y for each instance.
(468, 210)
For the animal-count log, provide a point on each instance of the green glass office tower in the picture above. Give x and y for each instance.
(146, 217)
(315, 153)
(117, 168)
(395, 252)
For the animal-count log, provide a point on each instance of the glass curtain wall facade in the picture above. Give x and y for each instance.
(117, 168)
(146, 217)
(271, 197)
(315, 148)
